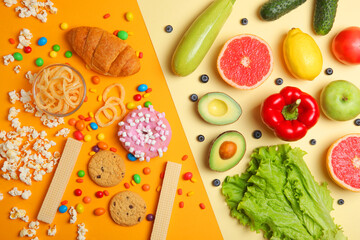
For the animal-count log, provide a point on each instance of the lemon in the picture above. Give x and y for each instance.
(302, 55)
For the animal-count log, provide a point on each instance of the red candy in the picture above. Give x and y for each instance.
(180, 191)
(12, 41)
(148, 90)
(115, 32)
(88, 119)
(99, 194)
(78, 135)
(141, 54)
(77, 192)
(27, 49)
(106, 193)
(79, 180)
(113, 149)
(137, 97)
(81, 117)
(202, 206)
(162, 175)
(127, 185)
(187, 176)
(64, 202)
(106, 16)
(72, 121)
(181, 204)
(184, 157)
(85, 99)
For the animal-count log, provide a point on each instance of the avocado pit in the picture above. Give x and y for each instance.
(227, 150)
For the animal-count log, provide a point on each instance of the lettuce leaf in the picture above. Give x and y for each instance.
(278, 195)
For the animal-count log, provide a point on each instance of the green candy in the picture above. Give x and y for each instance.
(81, 173)
(56, 48)
(137, 178)
(68, 54)
(147, 104)
(123, 35)
(39, 62)
(18, 56)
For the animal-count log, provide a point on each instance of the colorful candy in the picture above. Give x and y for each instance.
(17, 56)
(95, 148)
(87, 199)
(72, 121)
(64, 26)
(137, 97)
(184, 157)
(81, 173)
(146, 187)
(99, 211)
(68, 54)
(95, 79)
(188, 176)
(99, 194)
(127, 185)
(39, 62)
(77, 192)
(142, 87)
(181, 204)
(131, 157)
(11, 41)
(94, 126)
(79, 180)
(122, 35)
(88, 119)
(137, 178)
(106, 192)
(64, 202)
(56, 47)
(202, 206)
(78, 135)
(148, 90)
(53, 54)
(193, 180)
(79, 208)
(102, 145)
(80, 125)
(129, 16)
(189, 194)
(130, 105)
(147, 171)
(162, 175)
(81, 117)
(147, 104)
(63, 209)
(150, 217)
(106, 16)
(27, 49)
(146, 95)
(42, 41)
(100, 136)
(180, 192)
(113, 149)
(92, 153)
(141, 54)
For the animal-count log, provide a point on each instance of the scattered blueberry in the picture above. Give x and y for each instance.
(216, 182)
(279, 81)
(200, 138)
(168, 29)
(357, 122)
(204, 78)
(329, 71)
(150, 217)
(341, 201)
(312, 142)
(257, 134)
(244, 21)
(194, 97)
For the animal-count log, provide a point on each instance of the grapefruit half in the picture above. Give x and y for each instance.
(245, 61)
(343, 162)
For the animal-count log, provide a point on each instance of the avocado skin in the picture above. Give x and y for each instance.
(324, 16)
(274, 9)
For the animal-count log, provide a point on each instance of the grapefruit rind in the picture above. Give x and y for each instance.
(329, 166)
(229, 81)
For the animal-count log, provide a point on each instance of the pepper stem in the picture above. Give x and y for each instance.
(291, 111)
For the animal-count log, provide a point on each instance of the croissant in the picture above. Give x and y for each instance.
(103, 52)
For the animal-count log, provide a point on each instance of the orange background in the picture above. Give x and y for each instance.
(190, 222)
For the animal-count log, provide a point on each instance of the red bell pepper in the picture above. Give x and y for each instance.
(290, 113)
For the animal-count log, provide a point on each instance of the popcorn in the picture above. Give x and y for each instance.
(25, 34)
(1, 196)
(42, 16)
(25, 96)
(8, 59)
(33, 8)
(73, 214)
(14, 96)
(63, 132)
(15, 192)
(81, 231)
(34, 225)
(27, 232)
(51, 231)
(26, 194)
(9, 3)
(29, 76)
(18, 213)
(13, 112)
(17, 69)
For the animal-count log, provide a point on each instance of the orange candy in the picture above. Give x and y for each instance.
(102, 145)
(146, 187)
(72, 121)
(80, 125)
(95, 80)
(147, 171)
(99, 211)
(87, 199)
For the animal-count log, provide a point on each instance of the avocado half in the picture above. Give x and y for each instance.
(226, 151)
(218, 108)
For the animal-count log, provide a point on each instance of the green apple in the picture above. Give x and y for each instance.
(340, 100)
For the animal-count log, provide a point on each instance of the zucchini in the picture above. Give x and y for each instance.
(198, 39)
(274, 9)
(324, 16)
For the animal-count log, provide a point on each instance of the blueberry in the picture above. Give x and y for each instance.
(168, 29)
(200, 138)
(257, 134)
(341, 201)
(194, 97)
(312, 142)
(216, 182)
(357, 122)
(244, 21)
(204, 78)
(279, 81)
(329, 71)
(150, 217)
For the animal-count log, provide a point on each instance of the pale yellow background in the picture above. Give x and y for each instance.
(180, 14)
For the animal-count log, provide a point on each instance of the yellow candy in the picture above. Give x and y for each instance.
(194, 180)
(133, 182)
(93, 90)
(99, 98)
(88, 127)
(190, 193)
(130, 33)
(87, 138)
(79, 208)
(91, 114)
(137, 53)
(146, 95)
(64, 26)
(92, 153)
(158, 188)
(53, 54)
(100, 136)
(129, 16)
(130, 105)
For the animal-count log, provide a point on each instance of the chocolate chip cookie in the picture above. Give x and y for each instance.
(106, 168)
(127, 208)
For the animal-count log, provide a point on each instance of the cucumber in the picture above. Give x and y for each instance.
(198, 39)
(324, 16)
(274, 9)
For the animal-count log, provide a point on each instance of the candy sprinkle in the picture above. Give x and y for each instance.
(11, 41)
(184, 157)
(202, 206)
(189, 194)
(181, 204)
(106, 16)
(127, 185)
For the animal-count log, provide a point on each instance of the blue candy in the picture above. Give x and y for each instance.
(131, 157)
(42, 41)
(142, 87)
(93, 126)
(63, 209)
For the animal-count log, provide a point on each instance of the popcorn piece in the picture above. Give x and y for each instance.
(81, 231)
(27, 232)
(15, 192)
(8, 59)
(73, 214)
(1, 196)
(13, 112)
(25, 96)
(18, 213)
(9, 3)
(63, 132)
(14, 96)
(51, 231)
(26, 194)
(17, 69)
(29, 76)
(34, 225)
(25, 34)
